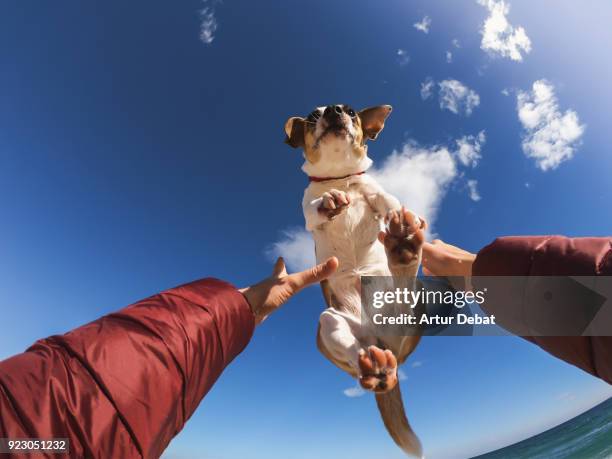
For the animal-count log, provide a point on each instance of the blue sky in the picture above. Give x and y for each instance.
(136, 154)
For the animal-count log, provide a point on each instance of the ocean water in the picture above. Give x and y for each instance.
(587, 436)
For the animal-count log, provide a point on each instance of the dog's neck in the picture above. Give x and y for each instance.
(336, 169)
(325, 179)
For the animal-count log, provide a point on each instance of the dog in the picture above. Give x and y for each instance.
(352, 218)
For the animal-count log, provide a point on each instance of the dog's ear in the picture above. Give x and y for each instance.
(373, 120)
(294, 128)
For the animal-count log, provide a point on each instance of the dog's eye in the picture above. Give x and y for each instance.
(351, 112)
(314, 116)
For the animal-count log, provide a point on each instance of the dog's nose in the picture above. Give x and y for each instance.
(333, 111)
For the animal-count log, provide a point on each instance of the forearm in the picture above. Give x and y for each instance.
(127, 382)
(551, 256)
(545, 256)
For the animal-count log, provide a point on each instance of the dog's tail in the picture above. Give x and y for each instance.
(393, 415)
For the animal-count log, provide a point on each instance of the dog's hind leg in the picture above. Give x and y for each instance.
(336, 341)
(375, 368)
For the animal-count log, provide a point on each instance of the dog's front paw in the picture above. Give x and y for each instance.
(378, 369)
(334, 202)
(404, 237)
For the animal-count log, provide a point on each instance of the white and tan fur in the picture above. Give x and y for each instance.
(345, 209)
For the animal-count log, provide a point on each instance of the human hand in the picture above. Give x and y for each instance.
(269, 294)
(442, 259)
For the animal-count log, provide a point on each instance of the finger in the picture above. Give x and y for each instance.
(316, 274)
(280, 269)
(381, 236)
(430, 249)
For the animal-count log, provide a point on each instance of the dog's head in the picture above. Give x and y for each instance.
(334, 138)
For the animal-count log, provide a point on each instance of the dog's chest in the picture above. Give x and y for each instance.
(352, 235)
(359, 219)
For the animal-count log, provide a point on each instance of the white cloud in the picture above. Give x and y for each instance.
(427, 87)
(456, 97)
(402, 57)
(469, 147)
(499, 37)
(419, 176)
(449, 57)
(355, 391)
(401, 375)
(551, 136)
(296, 247)
(505, 92)
(417, 363)
(208, 23)
(455, 43)
(473, 190)
(423, 25)
(566, 396)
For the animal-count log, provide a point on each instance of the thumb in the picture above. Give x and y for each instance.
(427, 272)
(314, 274)
(279, 268)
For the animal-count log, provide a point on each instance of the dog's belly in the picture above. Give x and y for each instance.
(352, 237)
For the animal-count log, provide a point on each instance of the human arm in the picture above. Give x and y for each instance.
(124, 385)
(537, 256)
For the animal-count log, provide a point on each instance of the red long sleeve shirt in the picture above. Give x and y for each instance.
(124, 385)
(555, 256)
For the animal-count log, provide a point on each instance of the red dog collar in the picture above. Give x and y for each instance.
(325, 179)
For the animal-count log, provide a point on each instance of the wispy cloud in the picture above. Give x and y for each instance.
(499, 37)
(402, 57)
(456, 43)
(208, 22)
(423, 25)
(427, 88)
(473, 190)
(469, 147)
(449, 56)
(296, 247)
(457, 97)
(551, 136)
(416, 364)
(355, 391)
(566, 396)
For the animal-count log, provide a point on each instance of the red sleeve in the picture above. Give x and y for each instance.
(124, 385)
(555, 256)
(545, 256)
